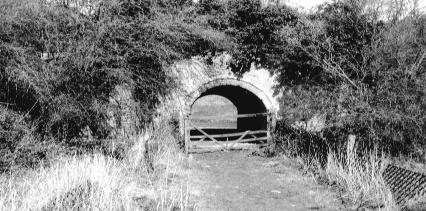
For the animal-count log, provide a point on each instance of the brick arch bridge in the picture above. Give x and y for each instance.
(255, 118)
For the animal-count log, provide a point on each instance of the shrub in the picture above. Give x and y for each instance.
(366, 77)
(252, 28)
(13, 129)
(19, 145)
(61, 65)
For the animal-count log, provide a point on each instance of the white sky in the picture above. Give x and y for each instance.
(311, 4)
(305, 4)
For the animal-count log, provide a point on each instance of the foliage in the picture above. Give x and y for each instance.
(251, 26)
(61, 65)
(350, 33)
(366, 75)
(12, 130)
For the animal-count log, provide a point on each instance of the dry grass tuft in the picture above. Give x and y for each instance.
(99, 182)
(361, 181)
(78, 182)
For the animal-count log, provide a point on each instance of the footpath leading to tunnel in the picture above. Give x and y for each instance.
(236, 181)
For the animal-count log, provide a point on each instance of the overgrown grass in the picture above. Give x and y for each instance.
(360, 180)
(152, 176)
(356, 173)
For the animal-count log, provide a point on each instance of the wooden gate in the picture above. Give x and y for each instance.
(241, 139)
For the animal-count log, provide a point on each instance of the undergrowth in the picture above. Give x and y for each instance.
(355, 173)
(360, 180)
(151, 176)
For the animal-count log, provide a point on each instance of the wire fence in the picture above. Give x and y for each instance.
(405, 185)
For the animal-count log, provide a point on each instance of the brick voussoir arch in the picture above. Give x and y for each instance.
(254, 120)
(218, 82)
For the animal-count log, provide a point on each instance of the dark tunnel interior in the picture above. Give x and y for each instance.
(246, 102)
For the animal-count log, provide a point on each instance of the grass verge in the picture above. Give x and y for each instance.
(360, 181)
(152, 176)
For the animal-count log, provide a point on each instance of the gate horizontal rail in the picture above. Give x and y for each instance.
(238, 139)
(228, 144)
(227, 135)
(252, 139)
(242, 140)
(231, 116)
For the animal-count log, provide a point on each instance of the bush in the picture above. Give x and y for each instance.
(366, 77)
(13, 129)
(19, 146)
(62, 65)
(252, 28)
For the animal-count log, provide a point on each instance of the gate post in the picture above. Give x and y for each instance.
(269, 127)
(186, 134)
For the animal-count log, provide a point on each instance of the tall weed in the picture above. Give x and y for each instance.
(360, 180)
(151, 176)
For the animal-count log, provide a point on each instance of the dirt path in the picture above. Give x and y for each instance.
(236, 181)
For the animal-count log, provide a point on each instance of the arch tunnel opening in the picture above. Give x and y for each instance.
(214, 112)
(249, 113)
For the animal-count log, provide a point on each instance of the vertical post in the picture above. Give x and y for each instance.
(350, 150)
(181, 124)
(268, 128)
(187, 134)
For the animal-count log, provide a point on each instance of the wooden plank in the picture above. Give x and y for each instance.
(229, 116)
(253, 139)
(245, 140)
(195, 151)
(211, 138)
(212, 148)
(244, 135)
(213, 127)
(240, 138)
(270, 128)
(232, 134)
